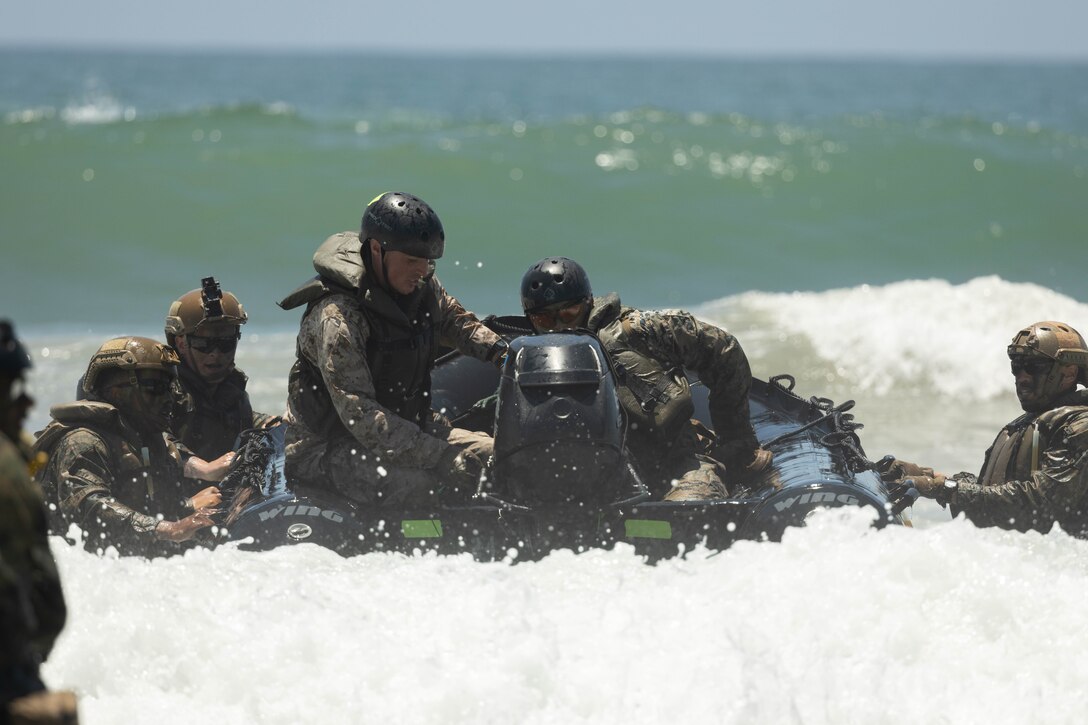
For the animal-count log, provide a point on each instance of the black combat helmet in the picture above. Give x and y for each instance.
(14, 359)
(404, 223)
(551, 280)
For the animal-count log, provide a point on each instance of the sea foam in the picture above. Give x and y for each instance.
(839, 623)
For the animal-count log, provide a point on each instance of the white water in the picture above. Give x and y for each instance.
(838, 623)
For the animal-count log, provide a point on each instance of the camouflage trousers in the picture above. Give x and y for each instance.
(680, 471)
(367, 479)
(698, 478)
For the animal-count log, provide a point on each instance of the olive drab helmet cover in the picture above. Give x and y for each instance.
(129, 354)
(552, 280)
(403, 223)
(1056, 342)
(207, 304)
(14, 359)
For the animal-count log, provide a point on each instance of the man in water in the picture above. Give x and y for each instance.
(204, 326)
(1036, 472)
(649, 351)
(32, 609)
(111, 469)
(359, 392)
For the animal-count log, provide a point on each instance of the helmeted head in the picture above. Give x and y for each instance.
(204, 325)
(14, 359)
(207, 305)
(138, 376)
(401, 238)
(1048, 358)
(14, 363)
(403, 223)
(556, 294)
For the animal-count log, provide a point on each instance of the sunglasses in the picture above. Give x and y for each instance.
(207, 345)
(157, 387)
(567, 314)
(1031, 367)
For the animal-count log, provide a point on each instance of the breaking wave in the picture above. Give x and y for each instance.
(931, 334)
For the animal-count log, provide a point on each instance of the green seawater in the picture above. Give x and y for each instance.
(125, 178)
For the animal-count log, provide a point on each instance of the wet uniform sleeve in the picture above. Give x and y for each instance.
(717, 358)
(82, 465)
(1056, 489)
(336, 336)
(459, 328)
(29, 582)
(260, 420)
(184, 453)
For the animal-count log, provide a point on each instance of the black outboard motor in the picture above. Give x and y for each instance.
(559, 428)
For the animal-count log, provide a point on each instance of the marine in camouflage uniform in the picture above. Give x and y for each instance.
(649, 351)
(32, 608)
(204, 326)
(1036, 472)
(111, 469)
(359, 392)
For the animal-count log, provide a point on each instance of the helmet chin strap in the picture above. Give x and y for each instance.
(129, 401)
(385, 271)
(384, 279)
(427, 277)
(1053, 381)
(186, 354)
(1047, 389)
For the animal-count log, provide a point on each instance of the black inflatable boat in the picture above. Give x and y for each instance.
(560, 478)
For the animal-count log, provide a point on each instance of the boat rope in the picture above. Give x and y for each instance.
(843, 436)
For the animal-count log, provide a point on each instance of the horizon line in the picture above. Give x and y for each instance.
(839, 55)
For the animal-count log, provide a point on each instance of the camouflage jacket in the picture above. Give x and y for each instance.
(111, 481)
(1035, 474)
(346, 309)
(32, 609)
(216, 415)
(654, 347)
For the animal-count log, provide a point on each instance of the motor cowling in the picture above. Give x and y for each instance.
(559, 428)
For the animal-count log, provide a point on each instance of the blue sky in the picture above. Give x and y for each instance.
(1045, 29)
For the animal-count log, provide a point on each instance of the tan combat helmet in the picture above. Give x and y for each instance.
(1055, 341)
(129, 354)
(209, 303)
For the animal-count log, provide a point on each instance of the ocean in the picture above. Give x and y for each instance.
(878, 229)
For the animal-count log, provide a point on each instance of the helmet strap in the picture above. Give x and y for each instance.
(384, 278)
(1047, 389)
(385, 271)
(184, 351)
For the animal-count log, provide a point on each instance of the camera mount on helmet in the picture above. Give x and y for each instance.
(211, 296)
